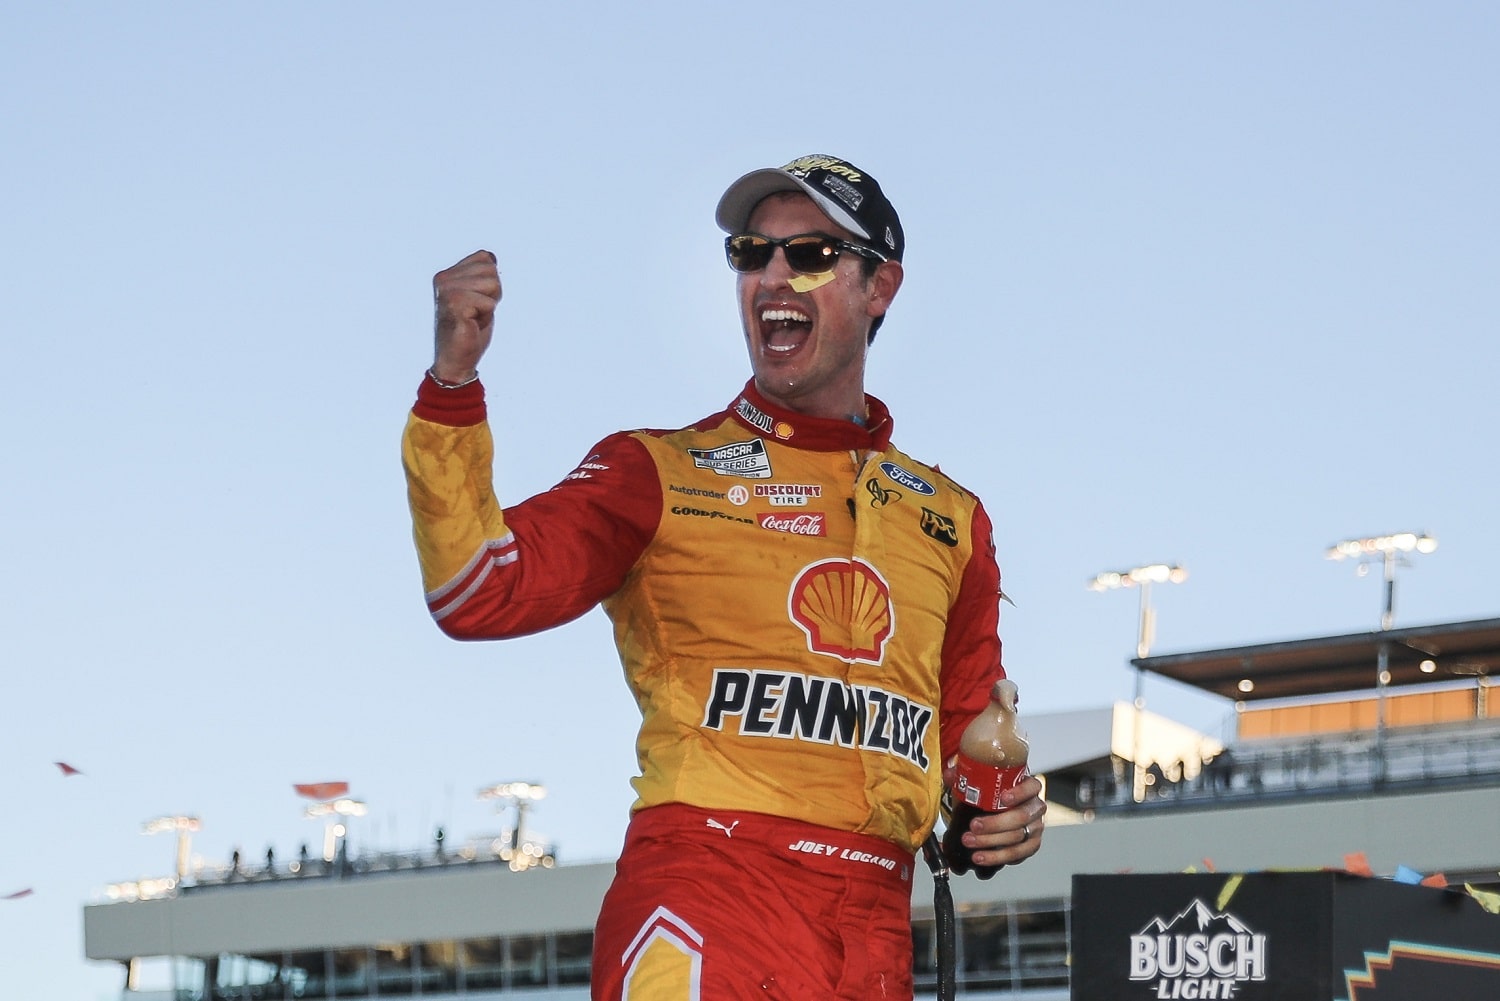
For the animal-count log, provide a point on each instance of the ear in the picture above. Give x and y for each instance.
(884, 285)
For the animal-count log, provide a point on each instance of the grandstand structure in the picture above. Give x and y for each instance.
(1324, 757)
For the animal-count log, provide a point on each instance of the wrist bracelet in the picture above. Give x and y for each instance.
(452, 385)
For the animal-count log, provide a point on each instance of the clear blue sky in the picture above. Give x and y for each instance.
(1208, 283)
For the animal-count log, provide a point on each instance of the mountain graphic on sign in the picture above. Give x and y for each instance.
(1196, 918)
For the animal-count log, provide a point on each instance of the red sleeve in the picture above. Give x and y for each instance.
(971, 647)
(570, 547)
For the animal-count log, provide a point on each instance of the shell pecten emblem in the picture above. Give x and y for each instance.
(844, 608)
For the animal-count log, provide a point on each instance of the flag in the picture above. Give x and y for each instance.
(17, 895)
(1358, 864)
(321, 790)
(67, 769)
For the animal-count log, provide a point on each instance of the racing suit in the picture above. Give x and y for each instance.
(807, 618)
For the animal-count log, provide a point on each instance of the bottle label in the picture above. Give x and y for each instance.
(980, 785)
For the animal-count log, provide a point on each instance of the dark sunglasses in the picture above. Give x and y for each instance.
(806, 253)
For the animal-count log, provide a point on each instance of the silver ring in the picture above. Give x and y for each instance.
(1025, 832)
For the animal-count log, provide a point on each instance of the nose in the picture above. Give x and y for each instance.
(777, 271)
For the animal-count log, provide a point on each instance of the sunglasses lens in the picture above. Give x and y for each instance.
(748, 253)
(811, 255)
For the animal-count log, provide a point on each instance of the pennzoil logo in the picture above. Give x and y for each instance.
(844, 608)
(939, 527)
(740, 458)
(1197, 954)
(789, 706)
(758, 418)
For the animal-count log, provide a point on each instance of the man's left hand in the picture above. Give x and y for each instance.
(1015, 833)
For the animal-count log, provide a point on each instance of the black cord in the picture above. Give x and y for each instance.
(942, 904)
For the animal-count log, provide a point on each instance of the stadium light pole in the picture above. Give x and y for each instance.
(184, 826)
(1142, 577)
(334, 830)
(1390, 552)
(521, 795)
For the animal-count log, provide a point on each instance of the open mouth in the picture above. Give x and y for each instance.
(783, 329)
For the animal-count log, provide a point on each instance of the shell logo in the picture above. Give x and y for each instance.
(844, 607)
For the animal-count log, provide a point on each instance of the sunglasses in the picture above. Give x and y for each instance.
(806, 254)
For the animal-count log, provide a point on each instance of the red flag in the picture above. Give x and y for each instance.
(17, 895)
(1437, 879)
(1358, 864)
(67, 769)
(321, 790)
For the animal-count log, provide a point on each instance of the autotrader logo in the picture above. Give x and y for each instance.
(1197, 954)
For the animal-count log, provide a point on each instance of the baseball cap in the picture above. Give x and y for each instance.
(847, 195)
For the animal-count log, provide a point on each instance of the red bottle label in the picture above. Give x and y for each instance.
(980, 785)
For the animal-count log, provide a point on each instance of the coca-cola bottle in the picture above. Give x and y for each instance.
(991, 759)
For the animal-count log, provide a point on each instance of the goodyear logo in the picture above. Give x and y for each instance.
(790, 706)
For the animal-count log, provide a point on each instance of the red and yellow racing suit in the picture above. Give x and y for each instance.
(807, 617)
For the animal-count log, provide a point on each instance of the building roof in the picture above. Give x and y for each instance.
(1330, 664)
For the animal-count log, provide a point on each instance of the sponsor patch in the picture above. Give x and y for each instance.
(738, 495)
(879, 495)
(806, 523)
(844, 608)
(740, 458)
(698, 512)
(788, 494)
(753, 415)
(758, 418)
(939, 527)
(695, 492)
(790, 706)
(587, 468)
(910, 481)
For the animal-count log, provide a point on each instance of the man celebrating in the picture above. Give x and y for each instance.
(806, 616)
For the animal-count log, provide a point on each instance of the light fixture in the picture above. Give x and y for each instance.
(1388, 550)
(1142, 577)
(183, 826)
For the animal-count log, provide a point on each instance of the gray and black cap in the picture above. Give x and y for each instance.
(847, 195)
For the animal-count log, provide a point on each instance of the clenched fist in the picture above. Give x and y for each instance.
(466, 296)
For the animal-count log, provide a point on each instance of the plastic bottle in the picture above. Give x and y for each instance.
(991, 759)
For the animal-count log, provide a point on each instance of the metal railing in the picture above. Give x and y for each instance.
(1275, 768)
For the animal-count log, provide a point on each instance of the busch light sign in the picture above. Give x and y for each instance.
(1197, 954)
(1278, 936)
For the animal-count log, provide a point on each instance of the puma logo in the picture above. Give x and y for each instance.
(728, 831)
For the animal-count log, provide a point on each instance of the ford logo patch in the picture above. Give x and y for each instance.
(907, 480)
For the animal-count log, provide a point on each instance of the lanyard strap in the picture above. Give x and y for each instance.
(942, 904)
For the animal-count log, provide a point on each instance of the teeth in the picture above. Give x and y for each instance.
(791, 315)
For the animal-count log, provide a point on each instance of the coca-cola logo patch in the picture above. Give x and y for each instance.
(805, 523)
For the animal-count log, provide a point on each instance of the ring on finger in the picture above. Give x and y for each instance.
(1025, 832)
